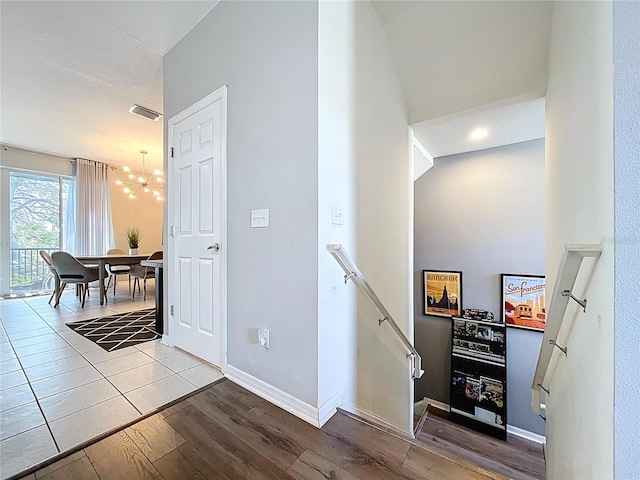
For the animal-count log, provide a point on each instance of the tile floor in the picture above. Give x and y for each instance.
(58, 389)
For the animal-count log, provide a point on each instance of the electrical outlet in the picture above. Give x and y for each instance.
(263, 337)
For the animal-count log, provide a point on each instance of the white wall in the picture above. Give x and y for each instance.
(316, 119)
(336, 169)
(422, 159)
(579, 181)
(267, 55)
(35, 162)
(376, 188)
(144, 212)
(492, 222)
(626, 51)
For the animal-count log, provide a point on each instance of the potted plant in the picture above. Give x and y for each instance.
(133, 238)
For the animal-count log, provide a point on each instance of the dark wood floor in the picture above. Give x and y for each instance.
(226, 432)
(516, 458)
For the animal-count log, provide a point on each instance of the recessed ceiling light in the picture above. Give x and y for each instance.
(145, 112)
(478, 134)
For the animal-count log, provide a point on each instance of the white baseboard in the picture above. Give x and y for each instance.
(438, 404)
(329, 408)
(373, 418)
(310, 414)
(518, 432)
(420, 407)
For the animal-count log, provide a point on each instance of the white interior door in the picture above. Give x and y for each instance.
(196, 276)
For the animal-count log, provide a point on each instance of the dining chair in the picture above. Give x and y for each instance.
(140, 272)
(70, 270)
(115, 270)
(47, 259)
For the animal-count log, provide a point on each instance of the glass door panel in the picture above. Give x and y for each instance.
(36, 212)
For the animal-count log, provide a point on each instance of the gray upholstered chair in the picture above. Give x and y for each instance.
(139, 272)
(115, 270)
(70, 270)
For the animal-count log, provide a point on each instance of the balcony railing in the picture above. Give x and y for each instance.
(29, 272)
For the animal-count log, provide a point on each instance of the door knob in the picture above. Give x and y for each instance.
(215, 247)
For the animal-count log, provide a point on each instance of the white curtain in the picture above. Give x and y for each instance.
(93, 225)
(69, 232)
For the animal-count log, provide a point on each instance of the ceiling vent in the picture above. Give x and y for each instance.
(145, 112)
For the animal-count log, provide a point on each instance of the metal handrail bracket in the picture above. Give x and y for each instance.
(565, 280)
(352, 273)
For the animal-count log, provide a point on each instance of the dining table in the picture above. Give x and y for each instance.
(112, 259)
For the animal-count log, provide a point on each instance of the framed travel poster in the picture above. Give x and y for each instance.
(523, 301)
(442, 293)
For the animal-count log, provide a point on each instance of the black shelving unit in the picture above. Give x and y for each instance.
(478, 395)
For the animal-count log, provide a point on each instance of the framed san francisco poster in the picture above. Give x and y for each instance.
(523, 301)
(442, 293)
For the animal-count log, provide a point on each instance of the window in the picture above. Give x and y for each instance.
(39, 208)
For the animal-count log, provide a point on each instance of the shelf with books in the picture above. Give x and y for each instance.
(471, 356)
(492, 422)
(478, 375)
(482, 322)
(465, 328)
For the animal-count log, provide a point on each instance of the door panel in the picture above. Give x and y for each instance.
(206, 199)
(206, 274)
(185, 200)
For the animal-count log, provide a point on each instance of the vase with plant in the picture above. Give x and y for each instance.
(133, 238)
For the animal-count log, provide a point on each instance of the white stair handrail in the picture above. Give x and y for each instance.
(562, 293)
(354, 274)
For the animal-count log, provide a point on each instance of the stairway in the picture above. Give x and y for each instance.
(516, 458)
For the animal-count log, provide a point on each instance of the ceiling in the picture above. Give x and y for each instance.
(71, 70)
(466, 64)
(508, 122)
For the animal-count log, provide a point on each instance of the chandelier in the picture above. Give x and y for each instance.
(148, 184)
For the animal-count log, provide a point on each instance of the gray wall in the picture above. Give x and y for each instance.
(267, 55)
(481, 213)
(626, 55)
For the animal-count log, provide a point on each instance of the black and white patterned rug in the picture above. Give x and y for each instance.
(119, 330)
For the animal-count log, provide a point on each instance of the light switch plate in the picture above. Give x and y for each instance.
(263, 337)
(337, 215)
(260, 218)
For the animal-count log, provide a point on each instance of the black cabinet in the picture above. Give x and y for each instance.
(478, 395)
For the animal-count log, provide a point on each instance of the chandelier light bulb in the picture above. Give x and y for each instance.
(145, 182)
